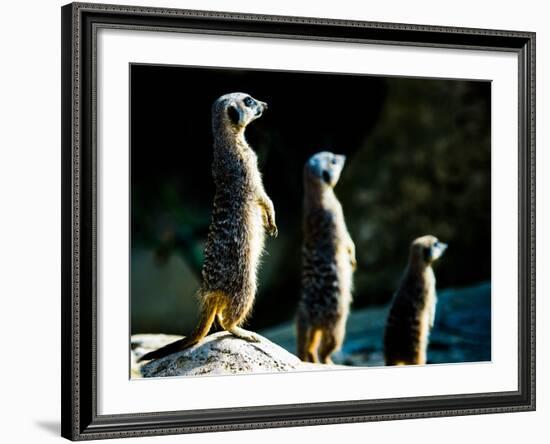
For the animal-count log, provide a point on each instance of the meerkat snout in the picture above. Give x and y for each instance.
(437, 250)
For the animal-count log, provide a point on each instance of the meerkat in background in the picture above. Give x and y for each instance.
(328, 262)
(412, 313)
(242, 213)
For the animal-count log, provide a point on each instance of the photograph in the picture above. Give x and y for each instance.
(295, 221)
(277, 221)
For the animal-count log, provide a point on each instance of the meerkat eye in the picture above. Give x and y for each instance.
(248, 101)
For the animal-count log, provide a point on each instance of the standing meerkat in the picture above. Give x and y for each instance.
(242, 213)
(412, 313)
(328, 262)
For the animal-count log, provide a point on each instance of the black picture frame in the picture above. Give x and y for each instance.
(79, 169)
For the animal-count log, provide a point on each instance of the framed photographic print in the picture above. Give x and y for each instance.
(278, 221)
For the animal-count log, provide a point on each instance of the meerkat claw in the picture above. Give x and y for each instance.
(253, 338)
(271, 225)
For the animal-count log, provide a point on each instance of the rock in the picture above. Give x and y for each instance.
(218, 354)
(462, 330)
(462, 333)
(144, 343)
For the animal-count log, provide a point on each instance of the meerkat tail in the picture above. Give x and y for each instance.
(207, 319)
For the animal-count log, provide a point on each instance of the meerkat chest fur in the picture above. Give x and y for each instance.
(327, 273)
(426, 301)
(419, 300)
(236, 235)
(340, 238)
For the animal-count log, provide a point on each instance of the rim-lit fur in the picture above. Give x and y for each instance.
(412, 313)
(242, 212)
(328, 262)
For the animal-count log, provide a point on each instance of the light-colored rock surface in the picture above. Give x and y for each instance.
(217, 354)
(141, 344)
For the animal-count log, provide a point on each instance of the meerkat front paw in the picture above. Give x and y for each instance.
(268, 215)
(352, 258)
(272, 229)
(270, 225)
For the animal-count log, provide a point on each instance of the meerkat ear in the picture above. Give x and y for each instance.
(234, 114)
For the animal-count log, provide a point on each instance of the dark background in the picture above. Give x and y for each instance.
(418, 163)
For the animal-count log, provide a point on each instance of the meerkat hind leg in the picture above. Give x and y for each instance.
(421, 359)
(306, 343)
(243, 334)
(328, 345)
(312, 339)
(331, 341)
(232, 326)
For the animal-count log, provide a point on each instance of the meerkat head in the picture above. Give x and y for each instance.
(237, 110)
(325, 168)
(427, 249)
